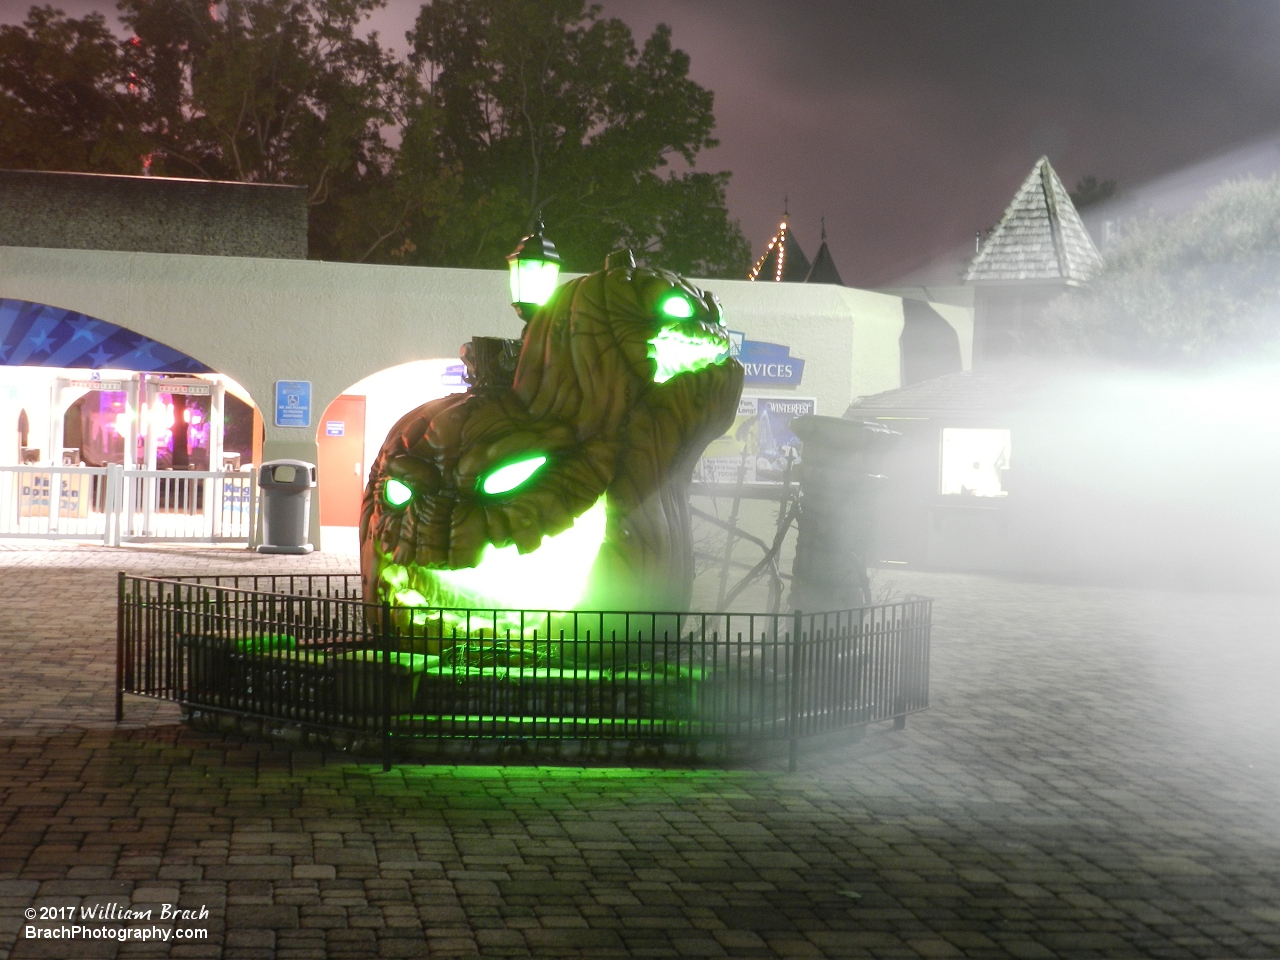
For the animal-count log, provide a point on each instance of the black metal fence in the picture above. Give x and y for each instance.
(307, 650)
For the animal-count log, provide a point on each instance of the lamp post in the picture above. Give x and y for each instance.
(535, 267)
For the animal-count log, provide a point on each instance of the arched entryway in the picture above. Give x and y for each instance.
(51, 359)
(354, 426)
(80, 395)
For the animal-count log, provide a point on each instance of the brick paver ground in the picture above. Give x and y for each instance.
(1098, 777)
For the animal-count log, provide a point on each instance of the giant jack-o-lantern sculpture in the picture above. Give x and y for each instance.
(562, 484)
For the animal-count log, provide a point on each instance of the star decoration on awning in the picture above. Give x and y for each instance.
(38, 335)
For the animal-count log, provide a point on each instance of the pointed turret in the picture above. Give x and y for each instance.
(783, 260)
(824, 268)
(1039, 249)
(1040, 237)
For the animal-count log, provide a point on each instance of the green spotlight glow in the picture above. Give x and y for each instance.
(677, 306)
(674, 353)
(396, 492)
(507, 478)
(553, 577)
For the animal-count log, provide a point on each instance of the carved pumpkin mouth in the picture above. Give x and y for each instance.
(552, 577)
(686, 348)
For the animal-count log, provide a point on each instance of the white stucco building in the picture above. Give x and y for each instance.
(259, 320)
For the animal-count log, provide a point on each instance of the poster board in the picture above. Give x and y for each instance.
(33, 498)
(761, 432)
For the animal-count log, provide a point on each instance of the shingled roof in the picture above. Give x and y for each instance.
(1040, 236)
(971, 392)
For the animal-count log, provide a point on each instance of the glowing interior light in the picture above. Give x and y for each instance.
(675, 352)
(162, 415)
(974, 462)
(396, 492)
(677, 306)
(553, 577)
(533, 281)
(506, 479)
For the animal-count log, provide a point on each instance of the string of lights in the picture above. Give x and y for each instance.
(778, 240)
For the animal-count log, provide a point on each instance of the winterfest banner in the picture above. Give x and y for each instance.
(760, 441)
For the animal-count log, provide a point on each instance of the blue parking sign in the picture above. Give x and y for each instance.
(293, 403)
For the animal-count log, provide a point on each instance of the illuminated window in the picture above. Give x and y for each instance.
(974, 462)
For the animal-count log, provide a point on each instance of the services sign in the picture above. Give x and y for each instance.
(765, 364)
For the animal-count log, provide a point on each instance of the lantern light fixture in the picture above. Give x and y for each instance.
(535, 268)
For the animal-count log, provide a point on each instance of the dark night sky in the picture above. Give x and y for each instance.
(910, 123)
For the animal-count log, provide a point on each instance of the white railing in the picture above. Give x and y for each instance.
(79, 511)
(117, 506)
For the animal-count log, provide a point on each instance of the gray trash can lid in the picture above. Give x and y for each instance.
(287, 475)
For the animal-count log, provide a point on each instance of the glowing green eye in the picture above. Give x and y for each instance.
(677, 306)
(397, 493)
(507, 478)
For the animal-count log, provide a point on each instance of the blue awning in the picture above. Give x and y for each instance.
(38, 335)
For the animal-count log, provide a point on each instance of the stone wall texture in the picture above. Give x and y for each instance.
(88, 211)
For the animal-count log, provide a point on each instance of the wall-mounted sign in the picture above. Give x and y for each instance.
(335, 428)
(766, 363)
(759, 442)
(184, 387)
(293, 403)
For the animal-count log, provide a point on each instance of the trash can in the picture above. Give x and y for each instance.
(286, 505)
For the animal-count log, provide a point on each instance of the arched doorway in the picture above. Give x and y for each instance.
(54, 356)
(354, 426)
(24, 434)
(82, 397)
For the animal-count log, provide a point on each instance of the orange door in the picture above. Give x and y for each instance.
(341, 466)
